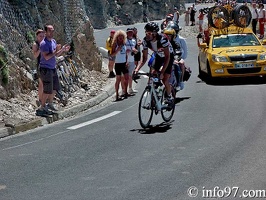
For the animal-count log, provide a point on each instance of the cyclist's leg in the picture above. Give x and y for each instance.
(167, 75)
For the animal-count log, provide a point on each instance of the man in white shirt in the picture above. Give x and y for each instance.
(176, 16)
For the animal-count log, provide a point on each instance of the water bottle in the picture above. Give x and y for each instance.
(160, 91)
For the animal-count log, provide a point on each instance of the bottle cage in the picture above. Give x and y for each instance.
(151, 62)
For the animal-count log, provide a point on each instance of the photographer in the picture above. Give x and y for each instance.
(204, 37)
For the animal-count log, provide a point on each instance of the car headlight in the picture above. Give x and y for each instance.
(217, 58)
(262, 56)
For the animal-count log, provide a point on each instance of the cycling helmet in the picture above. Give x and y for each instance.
(152, 26)
(169, 31)
(173, 25)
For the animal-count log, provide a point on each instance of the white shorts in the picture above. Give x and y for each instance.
(200, 22)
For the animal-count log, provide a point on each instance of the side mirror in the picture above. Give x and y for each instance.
(204, 45)
(264, 42)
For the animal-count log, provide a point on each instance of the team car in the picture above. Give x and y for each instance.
(232, 49)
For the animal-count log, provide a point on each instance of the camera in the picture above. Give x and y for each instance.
(199, 35)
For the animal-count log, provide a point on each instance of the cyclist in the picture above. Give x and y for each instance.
(179, 45)
(164, 56)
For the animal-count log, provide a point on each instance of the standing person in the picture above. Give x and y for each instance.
(164, 56)
(37, 54)
(131, 51)
(137, 56)
(193, 11)
(261, 19)
(49, 50)
(187, 13)
(255, 16)
(111, 58)
(119, 50)
(176, 15)
(165, 22)
(201, 18)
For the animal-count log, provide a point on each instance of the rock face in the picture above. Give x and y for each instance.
(73, 21)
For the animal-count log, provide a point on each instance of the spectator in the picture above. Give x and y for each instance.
(187, 13)
(111, 61)
(261, 19)
(119, 50)
(201, 18)
(137, 56)
(193, 11)
(176, 16)
(255, 16)
(49, 50)
(37, 54)
(203, 38)
(164, 24)
(131, 51)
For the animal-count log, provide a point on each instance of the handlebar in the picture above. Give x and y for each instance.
(136, 76)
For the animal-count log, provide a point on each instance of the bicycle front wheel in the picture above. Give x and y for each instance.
(168, 108)
(145, 108)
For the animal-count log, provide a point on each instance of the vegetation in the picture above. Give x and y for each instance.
(3, 65)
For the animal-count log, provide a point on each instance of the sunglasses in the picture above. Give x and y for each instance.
(149, 33)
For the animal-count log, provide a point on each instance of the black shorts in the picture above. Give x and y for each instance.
(121, 68)
(159, 63)
(137, 56)
(50, 80)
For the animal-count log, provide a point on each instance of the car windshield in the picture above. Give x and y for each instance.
(234, 40)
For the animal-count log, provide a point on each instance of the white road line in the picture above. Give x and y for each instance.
(94, 120)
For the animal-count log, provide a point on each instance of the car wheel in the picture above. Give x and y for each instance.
(209, 70)
(200, 72)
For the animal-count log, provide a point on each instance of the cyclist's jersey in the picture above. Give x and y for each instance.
(158, 46)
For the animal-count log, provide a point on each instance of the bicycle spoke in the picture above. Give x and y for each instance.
(168, 108)
(145, 109)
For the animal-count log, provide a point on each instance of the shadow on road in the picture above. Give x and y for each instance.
(159, 128)
(233, 81)
(180, 99)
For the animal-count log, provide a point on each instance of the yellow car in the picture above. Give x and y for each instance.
(232, 52)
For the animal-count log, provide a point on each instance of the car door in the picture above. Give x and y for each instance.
(203, 59)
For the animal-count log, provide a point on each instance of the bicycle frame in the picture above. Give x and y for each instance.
(154, 94)
(151, 85)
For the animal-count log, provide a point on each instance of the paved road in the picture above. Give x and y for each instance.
(217, 138)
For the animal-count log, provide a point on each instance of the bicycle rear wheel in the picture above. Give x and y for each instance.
(145, 108)
(168, 108)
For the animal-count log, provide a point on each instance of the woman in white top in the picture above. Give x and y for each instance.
(119, 50)
(261, 19)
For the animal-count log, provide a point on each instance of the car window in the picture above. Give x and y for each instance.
(234, 40)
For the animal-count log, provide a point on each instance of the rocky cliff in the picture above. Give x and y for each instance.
(74, 21)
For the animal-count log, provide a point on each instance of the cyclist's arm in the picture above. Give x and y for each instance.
(166, 59)
(144, 59)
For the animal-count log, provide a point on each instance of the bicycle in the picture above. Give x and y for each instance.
(153, 100)
(72, 67)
